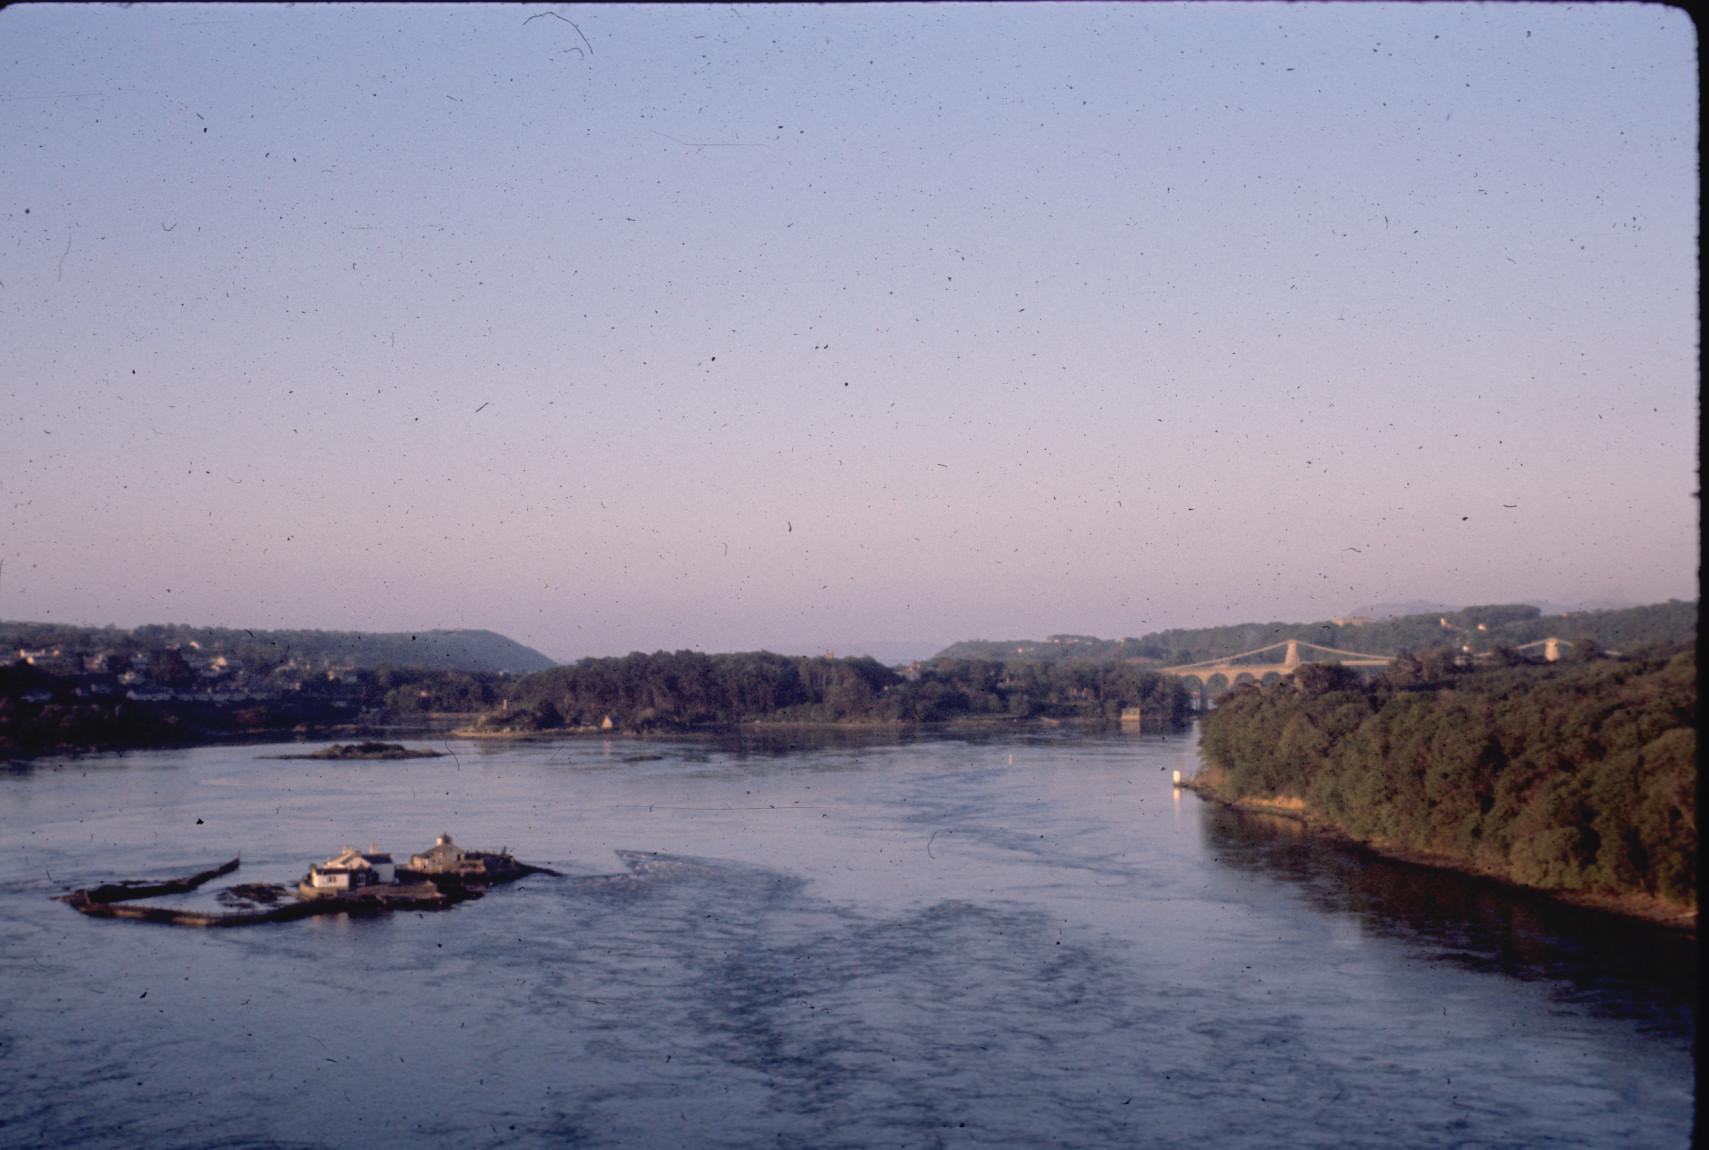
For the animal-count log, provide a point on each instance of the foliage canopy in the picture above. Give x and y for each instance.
(1576, 776)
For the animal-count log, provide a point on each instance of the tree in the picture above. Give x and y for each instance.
(1493, 615)
(113, 663)
(1406, 672)
(167, 667)
(1321, 678)
(1588, 650)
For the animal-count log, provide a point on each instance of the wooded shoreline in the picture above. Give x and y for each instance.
(1576, 778)
(1641, 907)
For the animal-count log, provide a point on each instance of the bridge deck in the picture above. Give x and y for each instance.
(1226, 666)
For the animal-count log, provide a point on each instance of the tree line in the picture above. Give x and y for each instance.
(686, 689)
(1577, 776)
(160, 699)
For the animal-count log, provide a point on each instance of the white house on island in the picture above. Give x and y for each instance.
(351, 868)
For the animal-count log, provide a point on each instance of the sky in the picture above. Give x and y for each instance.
(805, 328)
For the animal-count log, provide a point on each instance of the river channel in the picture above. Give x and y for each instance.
(861, 941)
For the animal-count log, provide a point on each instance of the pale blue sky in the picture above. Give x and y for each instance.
(736, 327)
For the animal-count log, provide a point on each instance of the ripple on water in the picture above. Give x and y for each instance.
(1077, 959)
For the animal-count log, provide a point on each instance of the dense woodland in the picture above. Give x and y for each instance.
(1483, 628)
(161, 698)
(1576, 776)
(687, 689)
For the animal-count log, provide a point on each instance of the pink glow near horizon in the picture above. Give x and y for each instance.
(794, 328)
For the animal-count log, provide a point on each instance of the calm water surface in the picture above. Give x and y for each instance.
(1018, 941)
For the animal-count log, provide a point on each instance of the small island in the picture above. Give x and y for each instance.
(367, 751)
(351, 882)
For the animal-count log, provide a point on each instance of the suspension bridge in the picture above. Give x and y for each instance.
(1247, 665)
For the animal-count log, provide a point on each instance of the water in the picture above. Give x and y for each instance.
(860, 941)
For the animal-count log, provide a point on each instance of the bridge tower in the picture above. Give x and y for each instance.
(1291, 657)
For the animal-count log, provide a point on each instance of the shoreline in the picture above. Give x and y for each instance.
(439, 725)
(975, 722)
(426, 726)
(1640, 907)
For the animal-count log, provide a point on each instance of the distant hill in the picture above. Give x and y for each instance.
(461, 650)
(1549, 608)
(439, 650)
(1397, 610)
(1480, 627)
(1376, 611)
(1055, 649)
(890, 652)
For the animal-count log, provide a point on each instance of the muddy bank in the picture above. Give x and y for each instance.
(368, 751)
(142, 888)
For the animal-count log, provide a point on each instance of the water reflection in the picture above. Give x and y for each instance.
(77, 764)
(1606, 962)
